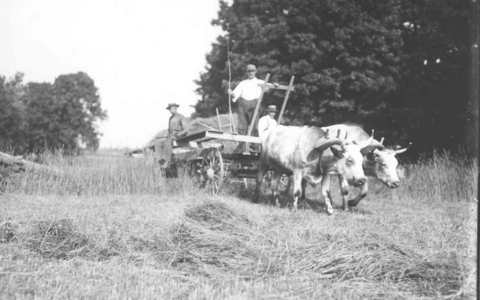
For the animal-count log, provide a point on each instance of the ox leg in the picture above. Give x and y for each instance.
(274, 185)
(326, 194)
(303, 196)
(344, 189)
(261, 173)
(360, 196)
(297, 188)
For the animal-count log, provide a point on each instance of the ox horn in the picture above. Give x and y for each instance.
(323, 144)
(374, 144)
(381, 141)
(365, 143)
(399, 151)
(338, 133)
(346, 134)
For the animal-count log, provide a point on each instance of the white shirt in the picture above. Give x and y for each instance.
(248, 89)
(265, 124)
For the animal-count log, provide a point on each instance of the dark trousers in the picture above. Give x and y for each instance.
(164, 149)
(245, 116)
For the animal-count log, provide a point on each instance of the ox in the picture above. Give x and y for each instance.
(378, 162)
(298, 151)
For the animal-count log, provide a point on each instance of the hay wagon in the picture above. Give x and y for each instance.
(213, 156)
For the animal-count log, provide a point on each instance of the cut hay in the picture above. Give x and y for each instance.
(199, 125)
(8, 232)
(57, 239)
(214, 240)
(60, 239)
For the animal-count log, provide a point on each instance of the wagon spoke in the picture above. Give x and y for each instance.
(212, 170)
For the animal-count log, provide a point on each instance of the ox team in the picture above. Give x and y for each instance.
(310, 155)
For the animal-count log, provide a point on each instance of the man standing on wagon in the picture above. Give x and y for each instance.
(247, 93)
(177, 127)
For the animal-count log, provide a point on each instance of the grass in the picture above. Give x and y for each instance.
(131, 234)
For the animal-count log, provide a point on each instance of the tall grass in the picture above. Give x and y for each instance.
(97, 175)
(194, 246)
(443, 177)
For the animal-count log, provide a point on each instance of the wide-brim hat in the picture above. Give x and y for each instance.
(272, 108)
(170, 105)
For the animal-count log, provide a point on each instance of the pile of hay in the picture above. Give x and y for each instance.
(199, 125)
(214, 240)
(57, 239)
(8, 232)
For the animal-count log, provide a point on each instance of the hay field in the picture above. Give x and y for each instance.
(115, 228)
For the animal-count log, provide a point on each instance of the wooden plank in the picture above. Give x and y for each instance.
(290, 88)
(278, 87)
(218, 120)
(19, 161)
(196, 137)
(191, 154)
(195, 140)
(9, 160)
(232, 137)
(186, 144)
(255, 113)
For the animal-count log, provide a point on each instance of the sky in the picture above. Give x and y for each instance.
(141, 55)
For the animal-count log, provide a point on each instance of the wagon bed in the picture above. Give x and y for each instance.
(212, 154)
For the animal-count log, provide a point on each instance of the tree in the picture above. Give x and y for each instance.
(79, 107)
(40, 116)
(11, 112)
(471, 138)
(429, 106)
(400, 67)
(341, 52)
(56, 114)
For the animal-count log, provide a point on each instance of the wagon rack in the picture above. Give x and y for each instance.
(207, 151)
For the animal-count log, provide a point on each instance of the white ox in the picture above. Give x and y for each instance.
(378, 162)
(298, 151)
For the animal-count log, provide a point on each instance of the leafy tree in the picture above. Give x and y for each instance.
(42, 118)
(11, 112)
(430, 105)
(342, 53)
(37, 116)
(397, 66)
(79, 107)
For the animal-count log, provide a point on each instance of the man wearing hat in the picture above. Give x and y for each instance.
(267, 122)
(177, 127)
(247, 93)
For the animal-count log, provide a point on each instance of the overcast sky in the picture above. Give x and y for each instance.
(141, 54)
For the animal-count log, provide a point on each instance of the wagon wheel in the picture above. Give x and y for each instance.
(212, 170)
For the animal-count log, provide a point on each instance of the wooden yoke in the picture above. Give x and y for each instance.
(255, 114)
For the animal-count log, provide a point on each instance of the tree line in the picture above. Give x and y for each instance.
(38, 116)
(406, 68)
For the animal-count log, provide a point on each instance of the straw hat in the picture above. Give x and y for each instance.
(272, 108)
(170, 105)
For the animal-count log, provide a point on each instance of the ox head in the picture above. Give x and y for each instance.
(382, 163)
(347, 158)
